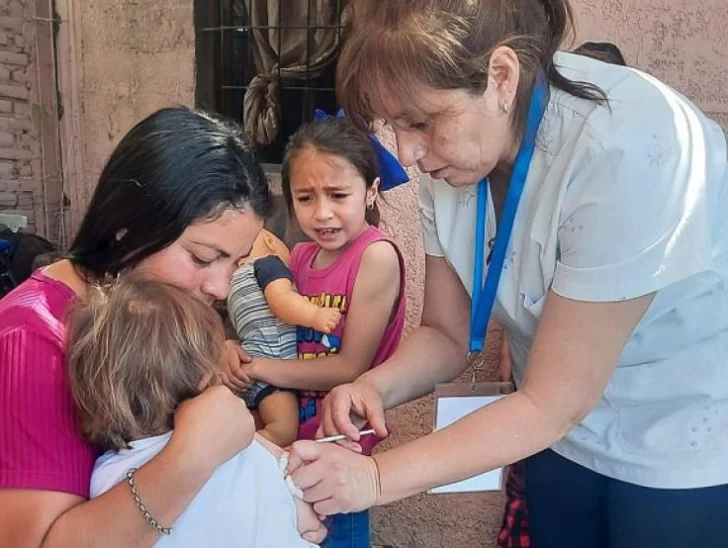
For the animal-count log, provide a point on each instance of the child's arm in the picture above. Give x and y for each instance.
(291, 307)
(309, 524)
(279, 414)
(375, 294)
(276, 281)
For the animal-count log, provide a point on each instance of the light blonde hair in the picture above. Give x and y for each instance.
(136, 348)
(394, 48)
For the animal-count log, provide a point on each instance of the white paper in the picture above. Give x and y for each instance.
(449, 410)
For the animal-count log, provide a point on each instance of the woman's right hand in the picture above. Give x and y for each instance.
(348, 407)
(214, 426)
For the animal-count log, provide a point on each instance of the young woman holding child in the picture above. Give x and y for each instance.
(181, 200)
(137, 348)
(330, 183)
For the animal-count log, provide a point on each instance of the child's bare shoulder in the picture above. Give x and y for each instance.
(383, 256)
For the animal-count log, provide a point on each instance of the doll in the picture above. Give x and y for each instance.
(265, 309)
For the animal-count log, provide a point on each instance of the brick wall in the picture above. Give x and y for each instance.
(19, 155)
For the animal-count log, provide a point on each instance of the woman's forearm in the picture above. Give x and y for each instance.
(166, 484)
(426, 357)
(557, 393)
(495, 436)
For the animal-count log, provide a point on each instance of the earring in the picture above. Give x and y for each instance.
(370, 206)
(505, 108)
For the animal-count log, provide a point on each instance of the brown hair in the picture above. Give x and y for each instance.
(136, 349)
(337, 136)
(394, 48)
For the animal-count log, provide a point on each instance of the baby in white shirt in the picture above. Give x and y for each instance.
(148, 346)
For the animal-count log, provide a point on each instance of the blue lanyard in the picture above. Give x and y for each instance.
(484, 294)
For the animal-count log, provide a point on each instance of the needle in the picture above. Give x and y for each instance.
(339, 437)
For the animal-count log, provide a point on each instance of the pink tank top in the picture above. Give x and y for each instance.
(333, 286)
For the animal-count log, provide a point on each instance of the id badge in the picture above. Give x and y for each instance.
(454, 401)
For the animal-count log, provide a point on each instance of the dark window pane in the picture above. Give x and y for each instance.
(225, 67)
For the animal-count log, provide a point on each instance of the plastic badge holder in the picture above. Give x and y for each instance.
(454, 401)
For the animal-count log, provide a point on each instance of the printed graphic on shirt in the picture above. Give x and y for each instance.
(313, 344)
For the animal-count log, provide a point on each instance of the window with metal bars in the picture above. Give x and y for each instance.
(267, 64)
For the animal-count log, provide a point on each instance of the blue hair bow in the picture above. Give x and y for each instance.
(391, 172)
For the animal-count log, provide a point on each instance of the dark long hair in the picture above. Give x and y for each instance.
(337, 136)
(175, 167)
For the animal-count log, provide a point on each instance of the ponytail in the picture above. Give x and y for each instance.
(559, 25)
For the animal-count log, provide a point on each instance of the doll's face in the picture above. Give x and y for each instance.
(268, 244)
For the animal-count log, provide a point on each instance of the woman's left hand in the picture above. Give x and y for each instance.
(336, 480)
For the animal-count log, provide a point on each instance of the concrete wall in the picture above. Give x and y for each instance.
(20, 185)
(683, 42)
(123, 60)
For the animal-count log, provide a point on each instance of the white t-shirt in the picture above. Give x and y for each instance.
(618, 204)
(245, 503)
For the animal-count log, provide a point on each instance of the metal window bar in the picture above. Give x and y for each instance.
(226, 66)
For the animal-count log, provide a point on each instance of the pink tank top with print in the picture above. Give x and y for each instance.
(333, 286)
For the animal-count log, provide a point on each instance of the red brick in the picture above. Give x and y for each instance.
(7, 169)
(6, 106)
(16, 92)
(20, 184)
(15, 154)
(14, 123)
(16, 8)
(25, 200)
(4, 74)
(8, 199)
(20, 108)
(25, 170)
(12, 23)
(7, 139)
(4, 38)
(10, 58)
(10, 185)
(20, 76)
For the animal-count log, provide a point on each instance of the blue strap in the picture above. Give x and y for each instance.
(390, 171)
(483, 299)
